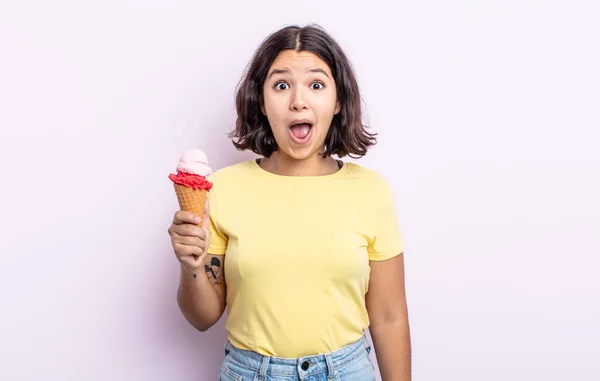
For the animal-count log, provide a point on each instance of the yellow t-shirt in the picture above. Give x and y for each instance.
(297, 253)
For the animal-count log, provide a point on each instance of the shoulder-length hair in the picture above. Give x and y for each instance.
(347, 134)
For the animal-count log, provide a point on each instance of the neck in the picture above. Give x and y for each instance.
(287, 166)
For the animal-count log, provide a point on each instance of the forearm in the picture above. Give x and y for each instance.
(392, 346)
(198, 299)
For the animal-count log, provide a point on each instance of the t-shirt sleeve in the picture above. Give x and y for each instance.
(218, 239)
(386, 240)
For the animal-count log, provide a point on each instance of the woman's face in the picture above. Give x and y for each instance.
(300, 100)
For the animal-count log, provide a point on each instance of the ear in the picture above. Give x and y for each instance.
(262, 107)
(338, 108)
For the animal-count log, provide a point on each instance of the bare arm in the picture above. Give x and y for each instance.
(388, 313)
(202, 294)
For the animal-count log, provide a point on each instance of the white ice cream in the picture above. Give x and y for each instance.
(194, 161)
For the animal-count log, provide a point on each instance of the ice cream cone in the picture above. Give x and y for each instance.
(191, 184)
(191, 200)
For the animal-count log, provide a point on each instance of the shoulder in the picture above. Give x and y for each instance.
(367, 177)
(372, 186)
(226, 183)
(231, 172)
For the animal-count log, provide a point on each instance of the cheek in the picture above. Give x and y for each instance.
(325, 106)
(325, 115)
(273, 108)
(275, 117)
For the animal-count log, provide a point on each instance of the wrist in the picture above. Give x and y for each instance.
(191, 272)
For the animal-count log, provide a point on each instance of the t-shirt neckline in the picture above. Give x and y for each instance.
(260, 170)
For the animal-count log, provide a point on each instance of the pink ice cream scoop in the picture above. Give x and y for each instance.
(192, 170)
(194, 161)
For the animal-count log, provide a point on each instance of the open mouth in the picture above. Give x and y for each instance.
(300, 131)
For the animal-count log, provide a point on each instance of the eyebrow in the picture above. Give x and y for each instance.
(287, 71)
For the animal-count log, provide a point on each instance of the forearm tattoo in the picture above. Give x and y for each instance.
(214, 270)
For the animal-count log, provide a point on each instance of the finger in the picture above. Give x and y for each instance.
(190, 241)
(183, 250)
(187, 250)
(185, 217)
(189, 230)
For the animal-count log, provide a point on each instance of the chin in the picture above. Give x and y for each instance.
(301, 154)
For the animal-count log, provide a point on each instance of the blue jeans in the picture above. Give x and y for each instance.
(350, 363)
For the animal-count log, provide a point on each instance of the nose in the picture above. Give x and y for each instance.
(298, 101)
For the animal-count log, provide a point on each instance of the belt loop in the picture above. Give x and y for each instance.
(330, 367)
(366, 343)
(262, 373)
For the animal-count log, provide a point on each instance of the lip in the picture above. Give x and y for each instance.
(301, 121)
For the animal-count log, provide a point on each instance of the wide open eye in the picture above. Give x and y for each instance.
(317, 86)
(281, 86)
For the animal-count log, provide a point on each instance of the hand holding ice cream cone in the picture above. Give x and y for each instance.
(190, 241)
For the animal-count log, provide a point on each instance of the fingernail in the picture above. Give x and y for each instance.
(197, 219)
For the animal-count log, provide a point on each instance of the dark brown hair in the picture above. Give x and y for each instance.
(347, 134)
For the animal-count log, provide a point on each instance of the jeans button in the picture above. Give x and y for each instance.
(305, 365)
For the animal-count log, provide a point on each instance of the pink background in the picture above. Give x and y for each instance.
(488, 121)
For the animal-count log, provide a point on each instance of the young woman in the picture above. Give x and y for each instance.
(303, 249)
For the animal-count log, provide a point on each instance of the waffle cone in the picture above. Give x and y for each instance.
(191, 200)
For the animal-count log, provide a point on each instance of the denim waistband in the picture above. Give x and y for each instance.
(303, 366)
